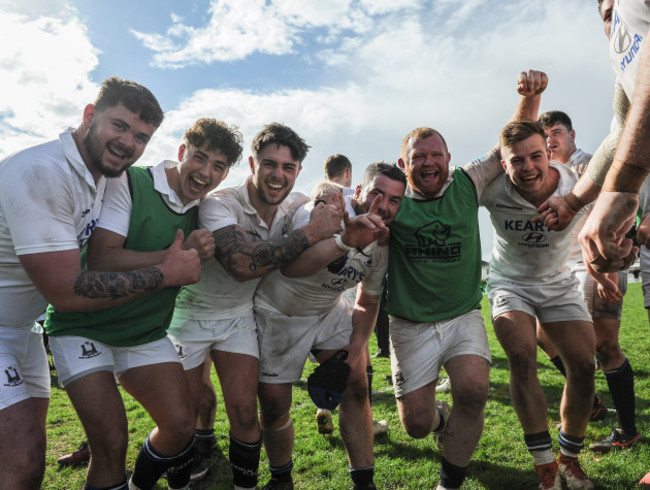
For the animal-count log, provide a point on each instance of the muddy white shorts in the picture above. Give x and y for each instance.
(418, 350)
(285, 341)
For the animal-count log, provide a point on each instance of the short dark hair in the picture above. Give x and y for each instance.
(420, 133)
(389, 170)
(551, 118)
(218, 136)
(336, 165)
(517, 131)
(135, 97)
(279, 134)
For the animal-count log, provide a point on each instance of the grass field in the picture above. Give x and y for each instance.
(500, 461)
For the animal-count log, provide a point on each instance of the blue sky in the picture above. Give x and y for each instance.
(351, 76)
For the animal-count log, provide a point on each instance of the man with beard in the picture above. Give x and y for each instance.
(434, 291)
(300, 309)
(142, 211)
(50, 198)
(251, 225)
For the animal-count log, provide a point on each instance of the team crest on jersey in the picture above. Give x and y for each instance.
(433, 244)
(13, 376)
(88, 350)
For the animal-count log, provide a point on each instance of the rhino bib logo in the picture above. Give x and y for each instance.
(433, 244)
(13, 378)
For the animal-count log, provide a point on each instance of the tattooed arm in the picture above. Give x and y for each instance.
(246, 259)
(59, 278)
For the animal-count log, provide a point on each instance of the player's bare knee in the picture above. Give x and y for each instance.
(419, 426)
(280, 422)
(608, 352)
(471, 400)
(246, 419)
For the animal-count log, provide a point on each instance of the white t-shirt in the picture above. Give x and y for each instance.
(118, 203)
(526, 251)
(317, 294)
(630, 24)
(48, 203)
(218, 295)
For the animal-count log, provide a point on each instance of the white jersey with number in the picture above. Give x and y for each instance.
(218, 295)
(317, 294)
(526, 251)
(49, 202)
(630, 24)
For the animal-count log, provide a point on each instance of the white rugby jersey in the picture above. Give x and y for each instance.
(526, 251)
(317, 294)
(630, 24)
(218, 295)
(49, 202)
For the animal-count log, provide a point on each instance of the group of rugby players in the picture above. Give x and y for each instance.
(251, 278)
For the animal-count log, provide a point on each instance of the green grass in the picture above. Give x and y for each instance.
(500, 461)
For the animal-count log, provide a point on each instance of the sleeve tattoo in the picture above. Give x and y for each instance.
(233, 243)
(116, 285)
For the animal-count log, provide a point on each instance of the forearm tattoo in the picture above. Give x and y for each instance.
(116, 285)
(233, 243)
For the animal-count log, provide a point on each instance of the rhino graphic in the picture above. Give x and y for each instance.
(435, 233)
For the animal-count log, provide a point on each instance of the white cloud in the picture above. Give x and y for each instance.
(45, 76)
(237, 30)
(449, 64)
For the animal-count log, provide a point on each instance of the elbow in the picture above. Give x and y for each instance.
(64, 305)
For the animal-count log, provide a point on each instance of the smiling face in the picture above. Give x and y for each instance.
(274, 173)
(561, 142)
(426, 164)
(392, 192)
(200, 171)
(527, 165)
(114, 139)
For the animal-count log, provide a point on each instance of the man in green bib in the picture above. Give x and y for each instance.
(142, 213)
(434, 291)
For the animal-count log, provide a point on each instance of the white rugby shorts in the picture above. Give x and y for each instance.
(194, 339)
(418, 350)
(24, 370)
(558, 301)
(76, 357)
(285, 341)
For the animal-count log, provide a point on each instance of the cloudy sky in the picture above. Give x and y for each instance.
(351, 76)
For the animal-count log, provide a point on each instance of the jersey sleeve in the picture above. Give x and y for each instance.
(373, 283)
(39, 220)
(484, 170)
(216, 212)
(117, 206)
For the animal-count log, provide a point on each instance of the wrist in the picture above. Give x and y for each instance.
(573, 203)
(341, 244)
